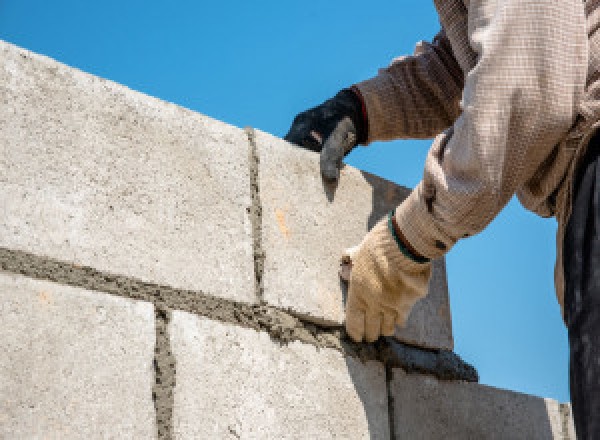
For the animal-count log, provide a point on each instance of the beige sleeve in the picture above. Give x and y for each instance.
(519, 100)
(417, 96)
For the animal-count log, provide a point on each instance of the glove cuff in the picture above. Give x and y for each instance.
(362, 123)
(387, 278)
(386, 250)
(392, 227)
(354, 107)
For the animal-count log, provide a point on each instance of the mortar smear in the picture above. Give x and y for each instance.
(280, 325)
(164, 376)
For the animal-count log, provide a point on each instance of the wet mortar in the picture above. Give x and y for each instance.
(164, 375)
(280, 325)
(255, 211)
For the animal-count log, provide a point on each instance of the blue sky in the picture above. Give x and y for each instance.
(260, 63)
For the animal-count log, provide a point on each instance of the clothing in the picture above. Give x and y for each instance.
(514, 88)
(385, 284)
(582, 294)
(312, 127)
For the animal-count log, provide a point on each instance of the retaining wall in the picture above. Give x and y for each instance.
(166, 275)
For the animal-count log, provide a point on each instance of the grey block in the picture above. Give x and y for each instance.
(234, 382)
(428, 409)
(96, 174)
(430, 322)
(74, 363)
(307, 225)
(568, 422)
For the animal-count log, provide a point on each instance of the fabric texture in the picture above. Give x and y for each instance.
(511, 89)
(333, 128)
(582, 294)
(384, 285)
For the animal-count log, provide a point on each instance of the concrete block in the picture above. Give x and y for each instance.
(430, 322)
(428, 409)
(307, 225)
(568, 422)
(234, 382)
(96, 174)
(74, 364)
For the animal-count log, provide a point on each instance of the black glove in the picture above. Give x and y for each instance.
(333, 128)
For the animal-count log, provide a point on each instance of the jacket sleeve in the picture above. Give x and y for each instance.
(416, 96)
(519, 99)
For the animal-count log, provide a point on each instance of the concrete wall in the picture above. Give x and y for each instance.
(166, 275)
(426, 408)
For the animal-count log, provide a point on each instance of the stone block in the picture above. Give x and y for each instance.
(430, 322)
(234, 382)
(306, 225)
(428, 409)
(568, 422)
(74, 364)
(98, 175)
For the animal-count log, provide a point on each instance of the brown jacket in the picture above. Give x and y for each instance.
(513, 86)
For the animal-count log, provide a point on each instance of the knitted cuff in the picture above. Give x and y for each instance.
(420, 228)
(407, 253)
(362, 123)
(351, 105)
(385, 249)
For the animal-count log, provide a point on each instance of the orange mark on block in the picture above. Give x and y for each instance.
(45, 297)
(280, 217)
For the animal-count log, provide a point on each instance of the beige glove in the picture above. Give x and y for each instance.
(384, 285)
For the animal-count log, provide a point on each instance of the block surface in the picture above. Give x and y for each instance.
(234, 382)
(306, 226)
(74, 364)
(428, 409)
(430, 321)
(95, 174)
(568, 422)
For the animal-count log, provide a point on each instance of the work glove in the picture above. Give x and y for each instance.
(384, 283)
(333, 128)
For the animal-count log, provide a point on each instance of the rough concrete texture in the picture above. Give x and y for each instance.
(279, 325)
(306, 226)
(234, 382)
(98, 175)
(256, 215)
(165, 375)
(568, 422)
(428, 409)
(74, 364)
(430, 322)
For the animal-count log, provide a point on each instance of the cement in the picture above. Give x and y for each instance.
(280, 325)
(234, 382)
(429, 409)
(99, 175)
(443, 364)
(164, 376)
(568, 424)
(306, 225)
(75, 364)
(256, 215)
(389, 376)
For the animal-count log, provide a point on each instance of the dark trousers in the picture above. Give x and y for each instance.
(582, 294)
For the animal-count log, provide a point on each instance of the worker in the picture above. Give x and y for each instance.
(511, 91)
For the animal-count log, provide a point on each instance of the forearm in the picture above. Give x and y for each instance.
(416, 96)
(519, 100)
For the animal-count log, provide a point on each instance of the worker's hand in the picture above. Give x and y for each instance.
(333, 128)
(384, 285)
